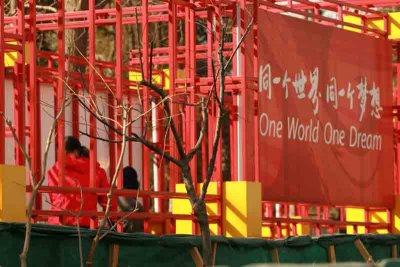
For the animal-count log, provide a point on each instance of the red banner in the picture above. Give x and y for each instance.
(324, 111)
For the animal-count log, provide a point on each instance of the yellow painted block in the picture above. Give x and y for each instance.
(378, 217)
(396, 216)
(182, 206)
(355, 215)
(377, 24)
(10, 58)
(266, 232)
(242, 209)
(212, 208)
(12, 194)
(160, 79)
(302, 228)
(354, 20)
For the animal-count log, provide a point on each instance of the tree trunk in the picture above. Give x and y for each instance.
(13, 8)
(202, 217)
(199, 208)
(76, 41)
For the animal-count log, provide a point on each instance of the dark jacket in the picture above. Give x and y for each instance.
(129, 204)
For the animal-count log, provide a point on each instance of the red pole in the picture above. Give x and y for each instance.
(111, 135)
(146, 102)
(255, 73)
(60, 87)
(19, 90)
(92, 92)
(217, 175)
(192, 131)
(145, 57)
(174, 170)
(130, 145)
(118, 73)
(2, 86)
(75, 115)
(34, 101)
(160, 162)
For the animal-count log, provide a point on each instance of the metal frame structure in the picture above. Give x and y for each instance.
(18, 34)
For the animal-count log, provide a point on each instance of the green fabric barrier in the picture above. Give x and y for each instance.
(50, 246)
(379, 246)
(59, 246)
(156, 255)
(302, 249)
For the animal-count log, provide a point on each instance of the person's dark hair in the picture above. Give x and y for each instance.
(84, 152)
(72, 145)
(130, 178)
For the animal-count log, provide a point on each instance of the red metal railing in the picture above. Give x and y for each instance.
(282, 219)
(167, 219)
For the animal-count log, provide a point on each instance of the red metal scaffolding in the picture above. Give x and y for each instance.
(18, 34)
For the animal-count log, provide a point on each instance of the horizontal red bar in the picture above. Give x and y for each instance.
(119, 192)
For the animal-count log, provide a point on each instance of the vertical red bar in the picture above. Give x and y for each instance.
(234, 131)
(211, 127)
(146, 102)
(209, 40)
(2, 86)
(92, 92)
(234, 139)
(75, 115)
(111, 134)
(172, 44)
(204, 156)
(191, 127)
(234, 38)
(130, 145)
(339, 12)
(366, 219)
(60, 87)
(220, 204)
(187, 43)
(255, 73)
(160, 162)
(34, 100)
(326, 213)
(243, 103)
(19, 90)
(118, 72)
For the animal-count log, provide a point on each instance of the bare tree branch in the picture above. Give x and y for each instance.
(49, 9)
(203, 130)
(220, 99)
(167, 110)
(35, 185)
(89, 261)
(136, 138)
(136, 209)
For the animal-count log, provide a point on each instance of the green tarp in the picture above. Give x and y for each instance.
(59, 246)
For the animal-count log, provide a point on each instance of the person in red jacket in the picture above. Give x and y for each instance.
(76, 174)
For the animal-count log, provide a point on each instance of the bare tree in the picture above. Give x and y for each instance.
(216, 93)
(36, 182)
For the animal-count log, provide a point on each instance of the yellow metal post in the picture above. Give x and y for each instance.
(12, 193)
(182, 206)
(242, 209)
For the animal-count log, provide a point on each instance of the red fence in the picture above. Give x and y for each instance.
(19, 33)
